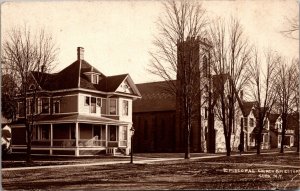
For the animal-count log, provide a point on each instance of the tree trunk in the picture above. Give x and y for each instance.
(28, 153)
(228, 148)
(187, 154)
(258, 146)
(284, 122)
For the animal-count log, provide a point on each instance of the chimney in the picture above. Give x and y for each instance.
(80, 53)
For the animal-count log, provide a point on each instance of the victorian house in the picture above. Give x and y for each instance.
(78, 111)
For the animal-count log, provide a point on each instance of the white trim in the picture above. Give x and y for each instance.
(92, 91)
(65, 113)
(68, 95)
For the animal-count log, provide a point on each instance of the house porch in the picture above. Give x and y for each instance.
(77, 138)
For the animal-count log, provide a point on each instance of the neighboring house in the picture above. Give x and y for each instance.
(249, 120)
(291, 134)
(79, 111)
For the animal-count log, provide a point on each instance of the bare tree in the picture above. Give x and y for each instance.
(175, 57)
(263, 88)
(231, 57)
(287, 88)
(8, 93)
(25, 52)
(292, 30)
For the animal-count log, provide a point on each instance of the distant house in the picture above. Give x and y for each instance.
(291, 134)
(79, 111)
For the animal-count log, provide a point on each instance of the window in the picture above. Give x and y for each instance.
(45, 105)
(20, 108)
(56, 106)
(112, 133)
(251, 122)
(245, 122)
(99, 131)
(266, 139)
(205, 113)
(93, 105)
(95, 78)
(44, 132)
(87, 100)
(103, 106)
(72, 131)
(113, 107)
(125, 107)
(279, 139)
(98, 101)
(28, 106)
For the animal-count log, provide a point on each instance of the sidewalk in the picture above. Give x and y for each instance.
(137, 160)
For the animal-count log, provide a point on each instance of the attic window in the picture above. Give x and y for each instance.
(32, 87)
(95, 78)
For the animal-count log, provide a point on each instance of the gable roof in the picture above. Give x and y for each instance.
(155, 97)
(75, 76)
(248, 106)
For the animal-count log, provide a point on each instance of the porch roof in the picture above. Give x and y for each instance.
(72, 118)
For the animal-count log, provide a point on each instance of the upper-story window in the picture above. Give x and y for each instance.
(205, 112)
(113, 107)
(93, 105)
(266, 124)
(29, 106)
(125, 107)
(104, 106)
(56, 106)
(95, 78)
(251, 122)
(245, 122)
(45, 105)
(21, 109)
(87, 100)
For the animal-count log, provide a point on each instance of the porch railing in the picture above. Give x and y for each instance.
(64, 142)
(81, 143)
(91, 143)
(122, 143)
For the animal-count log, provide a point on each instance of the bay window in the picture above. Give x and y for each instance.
(45, 105)
(125, 107)
(93, 105)
(113, 107)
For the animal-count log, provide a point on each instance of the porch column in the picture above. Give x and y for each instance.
(51, 138)
(76, 139)
(106, 135)
(76, 134)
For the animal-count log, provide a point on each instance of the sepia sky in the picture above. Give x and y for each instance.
(117, 35)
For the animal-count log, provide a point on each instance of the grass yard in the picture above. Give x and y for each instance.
(274, 171)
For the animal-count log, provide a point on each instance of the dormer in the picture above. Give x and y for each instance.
(93, 77)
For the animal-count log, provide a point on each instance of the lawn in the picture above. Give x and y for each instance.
(238, 172)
